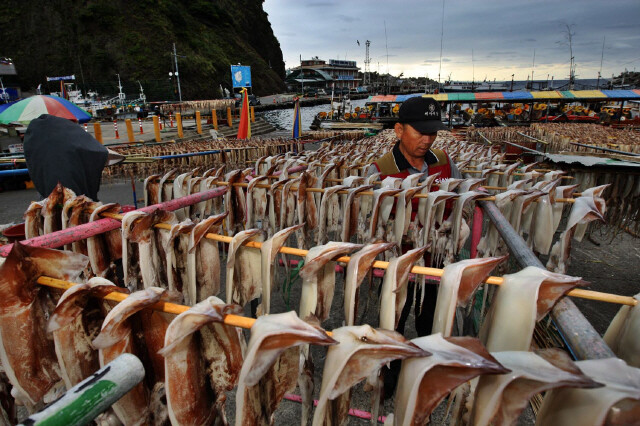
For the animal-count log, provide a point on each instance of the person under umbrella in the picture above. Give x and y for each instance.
(58, 150)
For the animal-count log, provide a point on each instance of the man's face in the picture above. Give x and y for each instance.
(413, 142)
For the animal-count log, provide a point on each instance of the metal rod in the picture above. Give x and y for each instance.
(582, 339)
(532, 138)
(606, 149)
(94, 395)
(485, 138)
(524, 148)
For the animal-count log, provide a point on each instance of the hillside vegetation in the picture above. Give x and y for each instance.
(97, 39)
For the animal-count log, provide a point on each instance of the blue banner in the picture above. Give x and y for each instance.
(240, 76)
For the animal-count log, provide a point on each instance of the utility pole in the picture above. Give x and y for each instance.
(367, 61)
(175, 58)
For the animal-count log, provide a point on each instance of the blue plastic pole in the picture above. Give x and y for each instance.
(14, 172)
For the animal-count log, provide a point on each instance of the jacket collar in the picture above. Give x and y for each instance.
(403, 164)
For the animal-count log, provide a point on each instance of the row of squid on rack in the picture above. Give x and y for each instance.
(534, 204)
(195, 359)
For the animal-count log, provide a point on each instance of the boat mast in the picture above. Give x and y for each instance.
(386, 45)
(121, 95)
(473, 71)
(533, 67)
(601, 60)
(441, 38)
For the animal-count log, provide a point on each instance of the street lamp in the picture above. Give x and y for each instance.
(511, 82)
(175, 74)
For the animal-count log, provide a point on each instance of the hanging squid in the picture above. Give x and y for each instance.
(28, 355)
(499, 399)
(361, 352)
(523, 299)
(192, 399)
(425, 381)
(271, 366)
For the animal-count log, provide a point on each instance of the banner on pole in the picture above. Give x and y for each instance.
(241, 76)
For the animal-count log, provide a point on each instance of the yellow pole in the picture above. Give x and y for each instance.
(156, 128)
(179, 124)
(97, 131)
(198, 123)
(229, 118)
(127, 122)
(253, 114)
(214, 119)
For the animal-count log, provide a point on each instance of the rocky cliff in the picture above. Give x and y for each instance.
(97, 39)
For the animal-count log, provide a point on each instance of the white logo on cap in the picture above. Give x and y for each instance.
(432, 111)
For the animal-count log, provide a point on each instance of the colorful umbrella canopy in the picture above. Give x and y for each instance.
(28, 109)
(5, 106)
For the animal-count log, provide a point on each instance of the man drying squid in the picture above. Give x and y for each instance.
(416, 130)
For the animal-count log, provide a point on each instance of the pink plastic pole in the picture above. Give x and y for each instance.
(476, 232)
(352, 411)
(81, 232)
(291, 170)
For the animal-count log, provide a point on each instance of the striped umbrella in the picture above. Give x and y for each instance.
(5, 106)
(28, 109)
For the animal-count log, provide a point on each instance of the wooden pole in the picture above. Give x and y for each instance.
(179, 125)
(214, 119)
(253, 114)
(229, 117)
(198, 123)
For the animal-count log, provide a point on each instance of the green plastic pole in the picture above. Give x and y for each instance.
(86, 400)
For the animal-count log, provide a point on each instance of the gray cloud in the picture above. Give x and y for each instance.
(501, 33)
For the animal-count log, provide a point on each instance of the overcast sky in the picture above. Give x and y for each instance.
(500, 35)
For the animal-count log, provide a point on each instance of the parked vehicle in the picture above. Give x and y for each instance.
(253, 100)
(310, 92)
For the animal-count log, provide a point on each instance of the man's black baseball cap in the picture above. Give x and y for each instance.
(423, 114)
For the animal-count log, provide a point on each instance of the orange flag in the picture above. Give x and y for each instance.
(244, 129)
